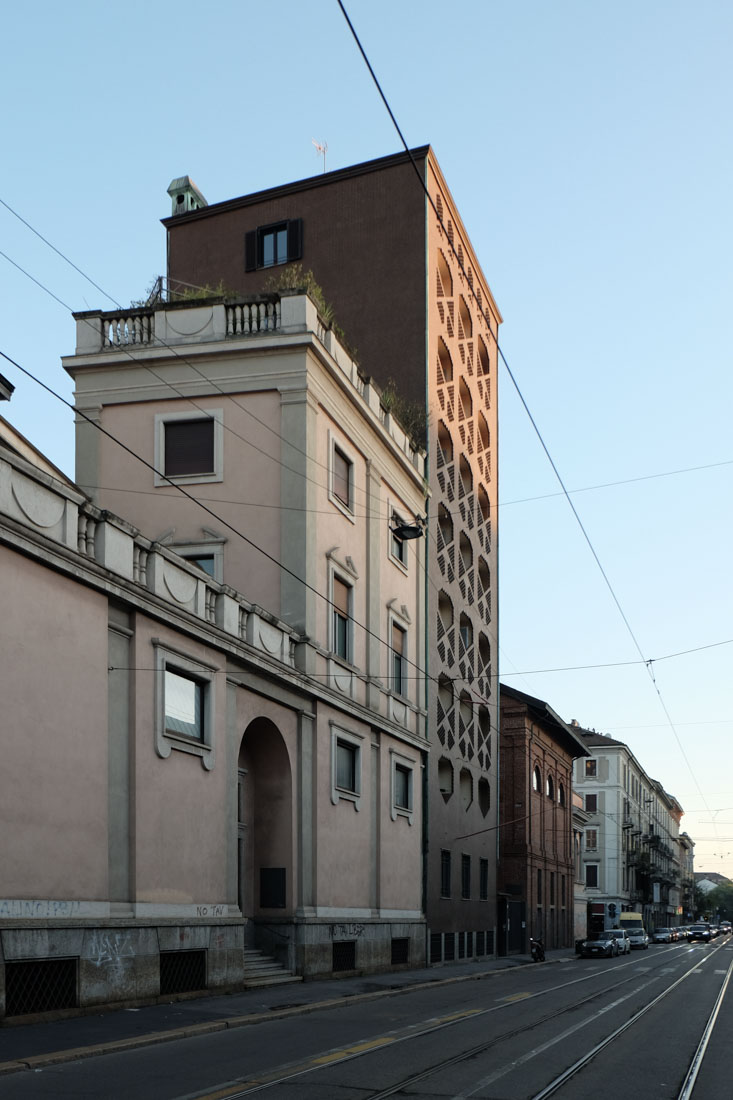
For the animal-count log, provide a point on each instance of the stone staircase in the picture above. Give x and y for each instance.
(261, 970)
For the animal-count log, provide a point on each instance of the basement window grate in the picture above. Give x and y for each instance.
(436, 947)
(449, 951)
(344, 955)
(44, 985)
(400, 951)
(182, 971)
(461, 945)
(480, 949)
(490, 943)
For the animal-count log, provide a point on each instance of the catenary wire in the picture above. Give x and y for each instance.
(421, 674)
(527, 410)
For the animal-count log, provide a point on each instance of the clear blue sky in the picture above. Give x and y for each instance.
(589, 150)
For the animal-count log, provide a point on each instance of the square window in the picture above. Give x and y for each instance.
(591, 803)
(445, 873)
(399, 659)
(342, 478)
(341, 618)
(183, 705)
(591, 875)
(590, 768)
(268, 245)
(188, 447)
(465, 877)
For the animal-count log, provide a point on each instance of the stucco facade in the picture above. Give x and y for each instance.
(284, 809)
(400, 271)
(633, 858)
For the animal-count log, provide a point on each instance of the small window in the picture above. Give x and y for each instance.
(399, 659)
(188, 447)
(465, 877)
(402, 787)
(397, 545)
(269, 245)
(561, 794)
(341, 618)
(483, 880)
(591, 803)
(550, 788)
(346, 761)
(445, 873)
(346, 765)
(184, 705)
(536, 780)
(591, 875)
(591, 840)
(590, 768)
(342, 478)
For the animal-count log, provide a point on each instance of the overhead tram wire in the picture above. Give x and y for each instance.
(163, 343)
(514, 382)
(420, 673)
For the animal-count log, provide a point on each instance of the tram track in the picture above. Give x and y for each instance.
(364, 1050)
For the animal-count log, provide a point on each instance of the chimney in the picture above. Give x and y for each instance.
(185, 196)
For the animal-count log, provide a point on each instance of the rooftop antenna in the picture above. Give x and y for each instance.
(322, 149)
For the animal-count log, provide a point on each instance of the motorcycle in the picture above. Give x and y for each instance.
(537, 950)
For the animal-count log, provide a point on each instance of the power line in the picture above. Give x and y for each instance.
(514, 382)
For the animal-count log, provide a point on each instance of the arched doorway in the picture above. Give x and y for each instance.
(265, 878)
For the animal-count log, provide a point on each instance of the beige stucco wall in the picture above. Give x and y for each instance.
(53, 687)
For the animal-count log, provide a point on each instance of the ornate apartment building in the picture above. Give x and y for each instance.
(230, 745)
(388, 248)
(634, 857)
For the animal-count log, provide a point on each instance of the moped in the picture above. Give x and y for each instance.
(537, 950)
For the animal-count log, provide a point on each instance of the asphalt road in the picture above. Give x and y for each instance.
(631, 1026)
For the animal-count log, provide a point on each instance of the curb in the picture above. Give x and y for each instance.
(155, 1038)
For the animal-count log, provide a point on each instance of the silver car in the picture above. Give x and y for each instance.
(638, 938)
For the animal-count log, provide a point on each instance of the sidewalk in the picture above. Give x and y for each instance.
(26, 1046)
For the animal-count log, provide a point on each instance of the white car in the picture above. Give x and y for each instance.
(622, 936)
(638, 938)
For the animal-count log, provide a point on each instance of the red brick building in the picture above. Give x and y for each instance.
(536, 860)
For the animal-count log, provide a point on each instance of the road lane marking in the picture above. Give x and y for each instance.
(358, 1048)
(514, 997)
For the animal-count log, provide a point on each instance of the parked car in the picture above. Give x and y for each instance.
(662, 935)
(638, 938)
(622, 938)
(701, 932)
(600, 943)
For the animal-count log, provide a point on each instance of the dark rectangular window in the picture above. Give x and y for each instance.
(346, 766)
(591, 803)
(591, 874)
(465, 877)
(483, 888)
(562, 890)
(341, 643)
(539, 886)
(269, 245)
(399, 680)
(402, 787)
(189, 447)
(341, 477)
(590, 767)
(444, 873)
(552, 887)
